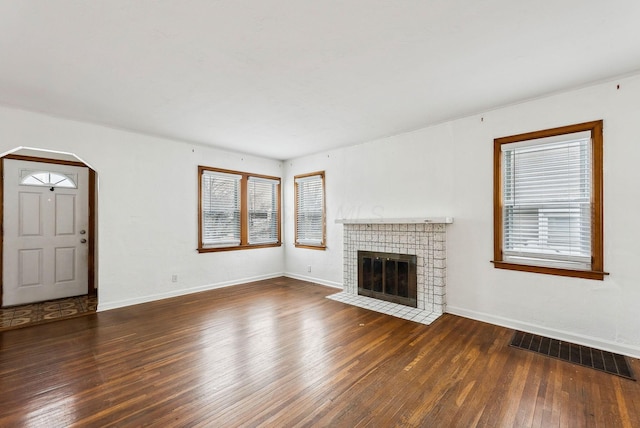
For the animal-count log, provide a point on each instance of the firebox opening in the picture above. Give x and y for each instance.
(388, 276)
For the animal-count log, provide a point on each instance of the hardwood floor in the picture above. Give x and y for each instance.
(277, 353)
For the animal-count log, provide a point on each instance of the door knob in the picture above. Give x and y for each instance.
(82, 232)
(83, 241)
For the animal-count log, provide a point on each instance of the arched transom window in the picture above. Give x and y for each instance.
(48, 179)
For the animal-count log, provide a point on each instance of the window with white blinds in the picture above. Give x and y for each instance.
(548, 201)
(220, 209)
(310, 210)
(238, 210)
(263, 210)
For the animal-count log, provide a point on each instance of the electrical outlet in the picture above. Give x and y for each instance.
(174, 278)
(309, 268)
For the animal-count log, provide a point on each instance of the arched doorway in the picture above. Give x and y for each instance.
(48, 212)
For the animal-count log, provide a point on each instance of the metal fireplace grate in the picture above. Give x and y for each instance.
(583, 355)
(388, 276)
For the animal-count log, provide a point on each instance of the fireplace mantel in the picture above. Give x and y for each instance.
(416, 220)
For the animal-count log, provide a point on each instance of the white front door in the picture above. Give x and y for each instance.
(45, 246)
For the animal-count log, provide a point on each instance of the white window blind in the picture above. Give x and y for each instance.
(310, 210)
(547, 201)
(220, 209)
(263, 210)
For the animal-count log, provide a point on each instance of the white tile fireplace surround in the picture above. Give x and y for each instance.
(424, 237)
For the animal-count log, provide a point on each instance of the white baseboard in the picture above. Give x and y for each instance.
(594, 342)
(316, 280)
(150, 298)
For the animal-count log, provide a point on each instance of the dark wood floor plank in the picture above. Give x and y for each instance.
(277, 353)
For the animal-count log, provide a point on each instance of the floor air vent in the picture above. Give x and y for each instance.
(583, 355)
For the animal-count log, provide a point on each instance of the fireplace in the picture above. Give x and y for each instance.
(388, 276)
(422, 240)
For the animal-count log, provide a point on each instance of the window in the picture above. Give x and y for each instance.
(263, 198)
(48, 179)
(237, 210)
(548, 201)
(310, 210)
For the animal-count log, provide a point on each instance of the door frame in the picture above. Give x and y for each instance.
(91, 282)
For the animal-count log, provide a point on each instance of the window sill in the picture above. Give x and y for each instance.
(311, 247)
(586, 274)
(237, 247)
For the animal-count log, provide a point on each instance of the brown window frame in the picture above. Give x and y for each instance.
(597, 253)
(244, 212)
(323, 244)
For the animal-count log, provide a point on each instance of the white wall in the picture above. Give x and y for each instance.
(403, 176)
(147, 208)
(447, 170)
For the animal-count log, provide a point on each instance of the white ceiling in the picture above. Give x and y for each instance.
(286, 78)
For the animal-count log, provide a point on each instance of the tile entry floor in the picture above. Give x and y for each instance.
(393, 309)
(36, 313)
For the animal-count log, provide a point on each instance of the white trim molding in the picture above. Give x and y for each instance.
(314, 280)
(578, 339)
(416, 220)
(151, 298)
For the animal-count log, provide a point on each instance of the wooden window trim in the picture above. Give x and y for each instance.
(323, 244)
(597, 223)
(244, 212)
